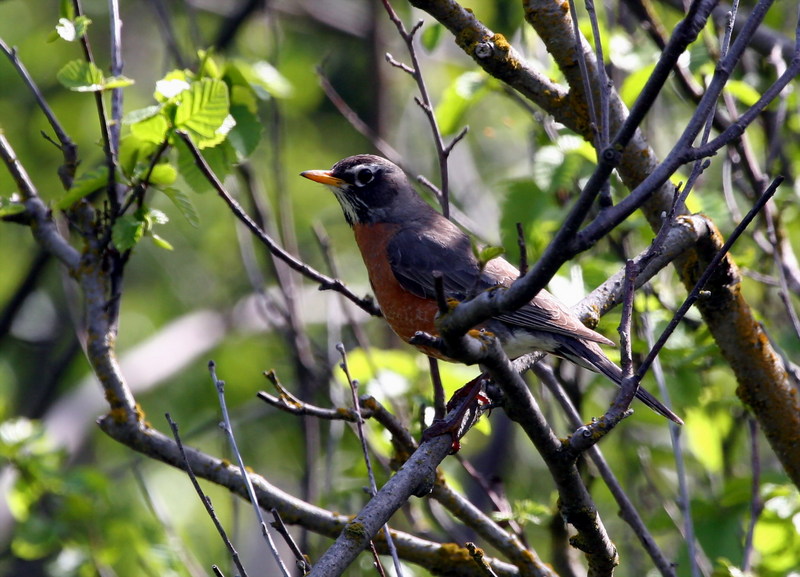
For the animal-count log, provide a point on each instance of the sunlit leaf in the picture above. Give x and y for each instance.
(81, 76)
(127, 232)
(118, 82)
(633, 84)
(203, 110)
(83, 186)
(163, 174)
(161, 243)
(266, 76)
(171, 87)
(151, 129)
(743, 92)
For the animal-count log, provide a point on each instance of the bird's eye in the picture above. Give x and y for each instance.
(364, 176)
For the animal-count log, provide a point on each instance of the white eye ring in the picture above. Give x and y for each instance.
(364, 176)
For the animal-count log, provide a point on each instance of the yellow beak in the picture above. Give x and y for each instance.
(323, 177)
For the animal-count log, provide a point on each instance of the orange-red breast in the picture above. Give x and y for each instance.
(403, 241)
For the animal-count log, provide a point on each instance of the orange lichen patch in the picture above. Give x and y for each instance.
(501, 43)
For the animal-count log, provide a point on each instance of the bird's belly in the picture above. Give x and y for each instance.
(405, 312)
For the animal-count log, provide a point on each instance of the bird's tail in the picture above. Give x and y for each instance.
(591, 356)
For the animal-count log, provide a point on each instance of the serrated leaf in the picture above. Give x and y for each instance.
(431, 36)
(127, 232)
(203, 110)
(83, 186)
(81, 76)
(183, 204)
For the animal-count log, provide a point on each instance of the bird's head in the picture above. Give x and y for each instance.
(370, 189)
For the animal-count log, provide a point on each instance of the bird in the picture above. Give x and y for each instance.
(403, 241)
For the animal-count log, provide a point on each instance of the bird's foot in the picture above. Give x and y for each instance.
(464, 408)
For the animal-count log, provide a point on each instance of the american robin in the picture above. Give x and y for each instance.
(403, 241)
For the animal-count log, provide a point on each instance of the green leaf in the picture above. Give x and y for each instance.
(161, 243)
(456, 100)
(163, 174)
(151, 129)
(266, 77)
(83, 186)
(633, 84)
(488, 253)
(10, 207)
(203, 111)
(81, 76)
(431, 36)
(744, 93)
(246, 135)
(183, 204)
(221, 159)
(127, 231)
(142, 114)
(117, 82)
(208, 65)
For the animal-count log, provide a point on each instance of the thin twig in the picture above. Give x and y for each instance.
(325, 282)
(628, 511)
(301, 560)
(355, 121)
(109, 150)
(68, 148)
(415, 71)
(704, 278)
(684, 498)
(205, 499)
(226, 424)
(373, 486)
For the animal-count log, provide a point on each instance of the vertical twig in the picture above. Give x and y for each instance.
(228, 428)
(373, 486)
(206, 500)
(424, 101)
(710, 269)
(684, 499)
